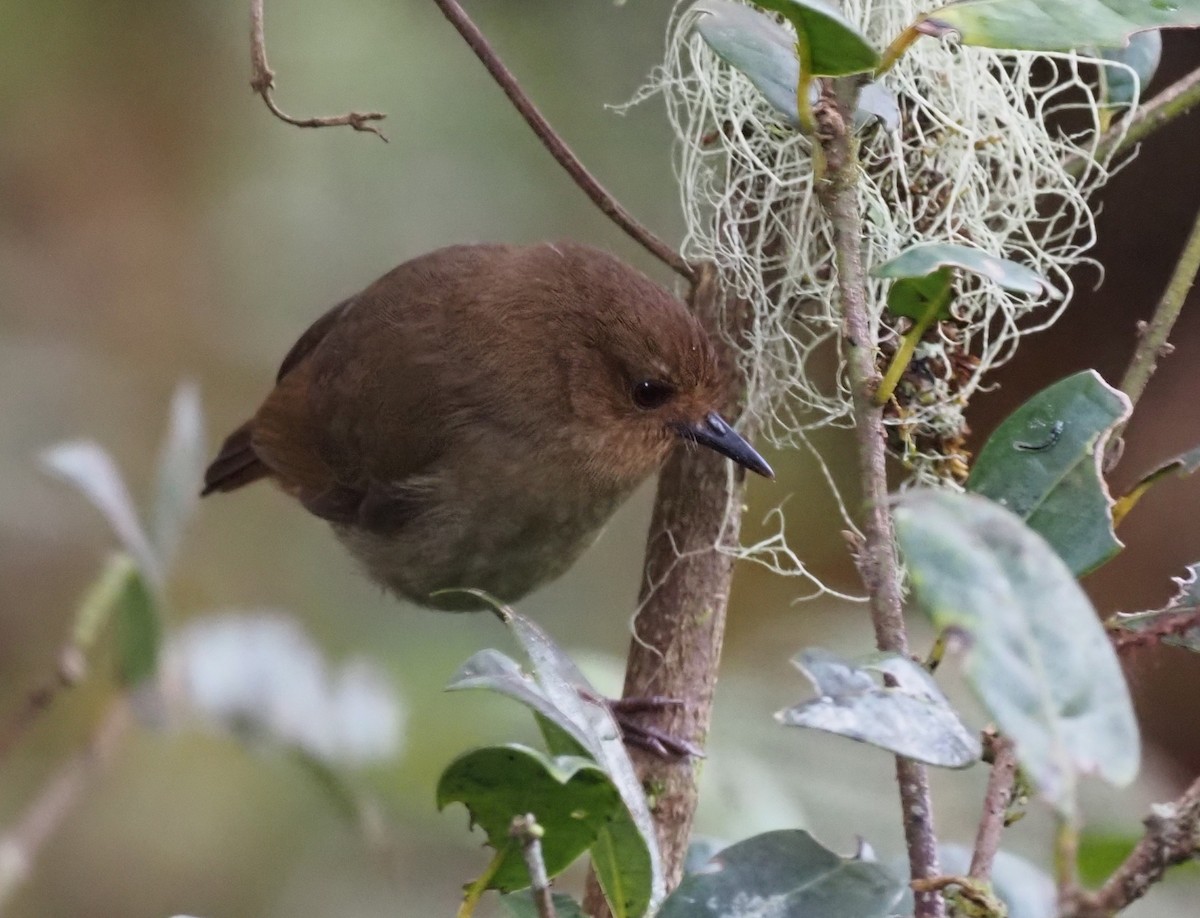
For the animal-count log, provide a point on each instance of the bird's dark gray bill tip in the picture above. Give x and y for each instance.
(713, 431)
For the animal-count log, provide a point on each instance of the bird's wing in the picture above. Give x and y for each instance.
(352, 423)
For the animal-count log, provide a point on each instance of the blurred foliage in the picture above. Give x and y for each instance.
(157, 224)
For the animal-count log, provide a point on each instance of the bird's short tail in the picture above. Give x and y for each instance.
(236, 464)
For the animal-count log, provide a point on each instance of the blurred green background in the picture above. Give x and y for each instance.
(156, 223)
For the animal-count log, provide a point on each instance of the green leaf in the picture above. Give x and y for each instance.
(180, 468)
(1121, 86)
(924, 259)
(138, 631)
(521, 905)
(570, 797)
(914, 297)
(575, 720)
(830, 42)
(89, 468)
(1056, 25)
(910, 717)
(1037, 657)
(1178, 623)
(787, 874)
(1043, 464)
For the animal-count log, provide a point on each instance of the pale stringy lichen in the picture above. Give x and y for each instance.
(978, 159)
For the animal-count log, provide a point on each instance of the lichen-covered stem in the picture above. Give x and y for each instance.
(878, 562)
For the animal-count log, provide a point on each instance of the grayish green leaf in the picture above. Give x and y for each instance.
(89, 468)
(180, 472)
(925, 258)
(1123, 85)
(521, 905)
(262, 677)
(1043, 464)
(785, 874)
(571, 798)
(1038, 658)
(910, 717)
(758, 46)
(835, 46)
(877, 103)
(1057, 25)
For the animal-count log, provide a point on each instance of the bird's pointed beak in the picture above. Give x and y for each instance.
(712, 431)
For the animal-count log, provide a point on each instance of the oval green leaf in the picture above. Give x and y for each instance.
(834, 46)
(571, 797)
(910, 716)
(1043, 464)
(138, 631)
(1037, 656)
(785, 873)
(1056, 25)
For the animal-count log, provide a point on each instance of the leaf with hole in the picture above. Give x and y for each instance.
(788, 874)
(907, 714)
(1056, 25)
(1044, 464)
(1036, 655)
(1178, 623)
(831, 43)
(571, 798)
(575, 720)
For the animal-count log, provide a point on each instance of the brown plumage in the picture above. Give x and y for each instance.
(472, 418)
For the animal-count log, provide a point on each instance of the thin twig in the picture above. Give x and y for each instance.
(996, 802)
(877, 561)
(21, 844)
(1172, 837)
(528, 834)
(263, 82)
(557, 147)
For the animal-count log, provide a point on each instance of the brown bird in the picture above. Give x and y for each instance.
(472, 418)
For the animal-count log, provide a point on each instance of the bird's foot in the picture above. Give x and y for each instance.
(651, 739)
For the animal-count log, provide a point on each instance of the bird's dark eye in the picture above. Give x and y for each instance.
(650, 393)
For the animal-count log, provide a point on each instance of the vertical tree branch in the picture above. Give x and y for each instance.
(1152, 342)
(877, 560)
(563, 155)
(680, 627)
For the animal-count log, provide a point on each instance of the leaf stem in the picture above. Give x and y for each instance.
(557, 147)
(479, 885)
(897, 49)
(877, 560)
(908, 346)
